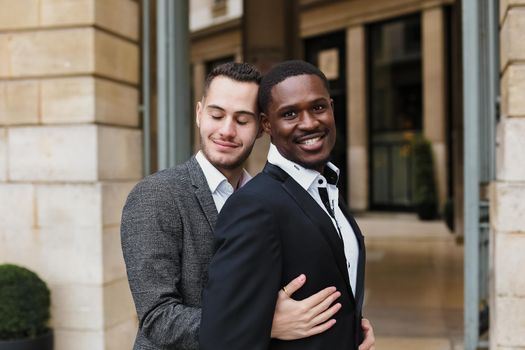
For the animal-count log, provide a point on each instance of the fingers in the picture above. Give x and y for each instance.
(369, 341)
(319, 297)
(325, 304)
(320, 328)
(325, 315)
(295, 285)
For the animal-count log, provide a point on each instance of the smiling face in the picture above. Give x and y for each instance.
(300, 121)
(228, 122)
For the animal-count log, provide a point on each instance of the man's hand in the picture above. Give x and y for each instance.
(300, 319)
(370, 341)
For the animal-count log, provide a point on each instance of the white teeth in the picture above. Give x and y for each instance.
(311, 141)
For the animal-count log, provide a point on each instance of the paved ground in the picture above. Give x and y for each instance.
(414, 286)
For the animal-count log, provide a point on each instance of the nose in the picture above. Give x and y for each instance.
(228, 128)
(308, 121)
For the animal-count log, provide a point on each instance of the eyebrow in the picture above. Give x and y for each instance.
(236, 112)
(294, 105)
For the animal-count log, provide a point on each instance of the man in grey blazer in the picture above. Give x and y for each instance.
(168, 221)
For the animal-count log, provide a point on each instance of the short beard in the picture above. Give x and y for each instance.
(236, 163)
(317, 165)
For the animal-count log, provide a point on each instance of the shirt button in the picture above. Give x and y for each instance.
(348, 265)
(320, 181)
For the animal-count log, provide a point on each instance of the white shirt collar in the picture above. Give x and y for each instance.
(214, 177)
(303, 176)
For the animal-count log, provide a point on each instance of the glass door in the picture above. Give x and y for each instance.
(395, 109)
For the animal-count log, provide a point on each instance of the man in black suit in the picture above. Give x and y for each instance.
(288, 220)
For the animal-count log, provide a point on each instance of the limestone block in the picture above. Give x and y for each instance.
(17, 206)
(86, 99)
(512, 87)
(510, 322)
(116, 104)
(118, 303)
(5, 69)
(114, 196)
(19, 102)
(113, 261)
(505, 4)
(53, 153)
(18, 14)
(68, 100)
(512, 44)
(119, 16)
(68, 339)
(3, 154)
(121, 336)
(69, 205)
(358, 170)
(509, 149)
(71, 255)
(119, 153)
(116, 58)
(509, 262)
(21, 246)
(66, 12)
(64, 51)
(507, 207)
(77, 307)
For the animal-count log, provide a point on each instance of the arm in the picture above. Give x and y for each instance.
(244, 277)
(151, 235)
(300, 319)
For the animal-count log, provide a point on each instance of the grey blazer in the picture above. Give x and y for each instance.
(167, 241)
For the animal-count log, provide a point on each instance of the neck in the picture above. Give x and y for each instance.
(232, 175)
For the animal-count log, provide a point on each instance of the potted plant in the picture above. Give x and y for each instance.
(24, 310)
(426, 201)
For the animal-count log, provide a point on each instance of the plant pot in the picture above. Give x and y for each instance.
(426, 211)
(43, 342)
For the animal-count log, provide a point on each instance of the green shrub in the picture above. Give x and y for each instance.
(24, 303)
(425, 199)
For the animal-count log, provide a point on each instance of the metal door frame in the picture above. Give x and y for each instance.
(480, 96)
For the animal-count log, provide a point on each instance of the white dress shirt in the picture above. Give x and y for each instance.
(220, 188)
(311, 180)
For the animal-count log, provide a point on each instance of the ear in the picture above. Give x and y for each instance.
(265, 124)
(198, 112)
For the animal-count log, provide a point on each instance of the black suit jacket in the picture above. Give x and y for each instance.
(268, 233)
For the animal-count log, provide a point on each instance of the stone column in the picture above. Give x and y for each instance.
(199, 74)
(508, 192)
(357, 119)
(70, 151)
(434, 98)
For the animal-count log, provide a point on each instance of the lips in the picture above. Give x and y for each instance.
(310, 139)
(225, 144)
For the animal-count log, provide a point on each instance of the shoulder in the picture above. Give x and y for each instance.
(262, 191)
(160, 188)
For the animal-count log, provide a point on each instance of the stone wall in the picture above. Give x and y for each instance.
(70, 151)
(508, 191)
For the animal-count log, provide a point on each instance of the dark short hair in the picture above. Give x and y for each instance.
(279, 73)
(242, 72)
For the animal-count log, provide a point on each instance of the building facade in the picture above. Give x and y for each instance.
(71, 131)
(390, 65)
(70, 152)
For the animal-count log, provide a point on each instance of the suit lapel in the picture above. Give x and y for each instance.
(318, 217)
(359, 293)
(202, 191)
